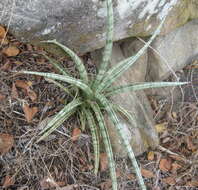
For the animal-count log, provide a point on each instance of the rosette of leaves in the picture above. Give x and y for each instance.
(92, 100)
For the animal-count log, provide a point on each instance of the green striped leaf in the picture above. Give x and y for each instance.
(126, 143)
(76, 82)
(141, 86)
(60, 117)
(107, 143)
(124, 112)
(108, 47)
(56, 124)
(79, 64)
(57, 65)
(82, 117)
(121, 67)
(95, 138)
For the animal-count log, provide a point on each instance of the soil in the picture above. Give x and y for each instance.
(59, 162)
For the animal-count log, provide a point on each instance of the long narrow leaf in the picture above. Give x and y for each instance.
(60, 117)
(76, 82)
(107, 143)
(125, 141)
(80, 66)
(108, 47)
(82, 117)
(55, 125)
(124, 112)
(57, 65)
(121, 67)
(95, 138)
(142, 86)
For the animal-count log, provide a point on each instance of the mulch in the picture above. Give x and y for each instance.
(59, 162)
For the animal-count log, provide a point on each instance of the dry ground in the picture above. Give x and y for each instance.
(66, 163)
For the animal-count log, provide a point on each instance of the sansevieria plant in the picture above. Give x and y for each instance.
(91, 101)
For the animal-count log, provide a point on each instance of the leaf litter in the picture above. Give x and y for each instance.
(75, 134)
(8, 181)
(30, 112)
(6, 143)
(68, 160)
(11, 51)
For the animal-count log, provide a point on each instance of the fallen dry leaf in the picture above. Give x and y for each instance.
(2, 32)
(2, 97)
(22, 84)
(6, 143)
(193, 183)
(75, 134)
(8, 181)
(26, 86)
(103, 162)
(151, 156)
(146, 173)
(175, 167)
(190, 144)
(169, 180)
(11, 51)
(160, 127)
(165, 165)
(14, 92)
(29, 112)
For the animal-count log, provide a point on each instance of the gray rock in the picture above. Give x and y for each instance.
(81, 24)
(193, 7)
(176, 50)
(142, 133)
(129, 47)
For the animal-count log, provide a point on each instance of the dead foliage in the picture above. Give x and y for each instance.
(65, 159)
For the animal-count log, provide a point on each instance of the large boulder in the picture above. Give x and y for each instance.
(173, 51)
(81, 24)
(129, 47)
